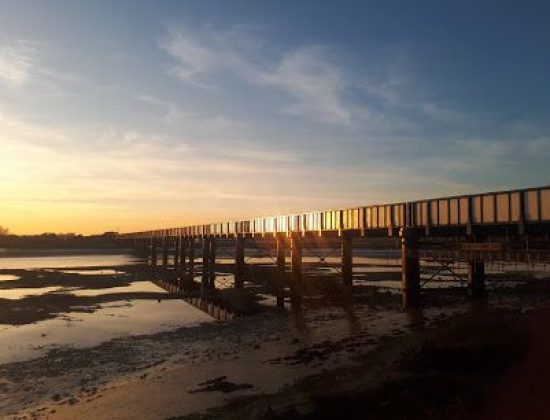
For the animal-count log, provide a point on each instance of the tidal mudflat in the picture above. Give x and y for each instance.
(89, 340)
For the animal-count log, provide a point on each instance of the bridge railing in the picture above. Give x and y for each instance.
(525, 206)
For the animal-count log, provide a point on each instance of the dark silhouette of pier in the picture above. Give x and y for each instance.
(503, 225)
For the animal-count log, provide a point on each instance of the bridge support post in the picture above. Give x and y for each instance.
(296, 267)
(153, 252)
(410, 268)
(281, 269)
(165, 246)
(205, 258)
(239, 262)
(191, 258)
(212, 264)
(184, 244)
(281, 252)
(205, 264)
(347, 258)
(165, 249)
(145, 248)
(177, 244)
(476, 277)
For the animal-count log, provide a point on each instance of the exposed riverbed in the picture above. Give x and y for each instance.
(96, 338)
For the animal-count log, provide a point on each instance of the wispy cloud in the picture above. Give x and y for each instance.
(191, 122)
(193, 60)
(17, 61)
(196, 59)
(315, 85)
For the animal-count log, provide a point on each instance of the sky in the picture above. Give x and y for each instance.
(134, 115)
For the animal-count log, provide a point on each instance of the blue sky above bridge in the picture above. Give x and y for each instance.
(133, 114)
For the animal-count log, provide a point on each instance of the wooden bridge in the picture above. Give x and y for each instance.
(480, 224)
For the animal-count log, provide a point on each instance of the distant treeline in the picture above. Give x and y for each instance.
(52, 240)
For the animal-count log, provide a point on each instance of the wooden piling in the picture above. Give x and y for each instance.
(205, 258)
(153, 251)
(177, 244)
(296, 267)
(281, 268)
(347, 258)
(212, 263)
(476, 277)
(165, 247)
(191, 258)
(240, 266)
(184, 245)
(145, 248)
(281, 252)
(410, 268)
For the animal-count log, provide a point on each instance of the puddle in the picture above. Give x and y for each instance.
(65, 261)
(14, 294)
(135, 287)
(97, 272)
(8, 277)
(113, 320)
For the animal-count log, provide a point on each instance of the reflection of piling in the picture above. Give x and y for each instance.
(410, 268)
(239, 262)
(347, 258)
(296, 285)
(281, 270)
(476, 278)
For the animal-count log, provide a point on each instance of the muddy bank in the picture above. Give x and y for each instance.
(458, 370)
(255, 354)
(435, 361)
(341, 353)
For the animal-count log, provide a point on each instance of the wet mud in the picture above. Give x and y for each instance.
(455, 370)
(355, 354)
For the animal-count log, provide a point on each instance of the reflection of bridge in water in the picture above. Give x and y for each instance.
(476, 230)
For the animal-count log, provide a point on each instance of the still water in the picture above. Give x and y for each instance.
(92, 325)
(66, 261)
(96, 320)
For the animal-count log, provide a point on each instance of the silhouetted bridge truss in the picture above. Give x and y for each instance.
(504, 225)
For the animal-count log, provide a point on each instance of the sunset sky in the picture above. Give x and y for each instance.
(132, 115)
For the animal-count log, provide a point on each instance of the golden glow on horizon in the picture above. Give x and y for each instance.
(124, 182)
